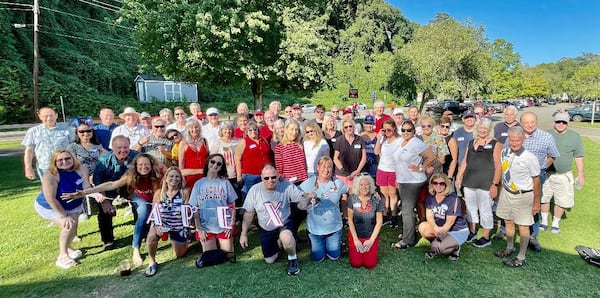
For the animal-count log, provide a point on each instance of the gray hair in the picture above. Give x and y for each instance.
(379, 103)
(164, 111)
(358, 179)
(193, 121)
(516, 131)
(487, 123)
(224, 125)
(513, 108)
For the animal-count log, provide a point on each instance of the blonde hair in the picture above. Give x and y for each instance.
(286, 138)
(164, 187)
(317, 133)
(448, 188)
(325, 160)
(54, 169)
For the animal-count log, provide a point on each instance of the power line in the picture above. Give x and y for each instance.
(89, 35)
(88, 39)
(106, 4)
(85, 18)
(17, 9)
(17, 4)
(97, 5)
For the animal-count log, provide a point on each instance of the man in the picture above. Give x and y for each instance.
(266, 131)
(259, 117)
(105, 128)
(510, 120)
(450, 115)
(398, 116)
(146, 120)
(156, 143)
(297, 115)
(559, 182)
(520, 194)
(240, 130)
(288, 113)
(319, 114)
(42, 140)
(196, 112)
(413, 115)
(543, 146)
(270, 201)
(210, 131)
(110, 167)
(131, 128)
(275, 107)
(380, 117)
(167, 115)
(335, 113)
(180, 120)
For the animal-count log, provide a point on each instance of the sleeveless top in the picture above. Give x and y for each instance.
(194, 160)
(69, 182)
(255, 156)
(170, 212)
(144, 190)
(448, 159)
(479, 172)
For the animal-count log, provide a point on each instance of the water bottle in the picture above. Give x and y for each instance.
(577, 185)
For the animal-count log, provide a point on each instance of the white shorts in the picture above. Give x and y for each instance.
(516, 207)
(559, 186)
(50, 214)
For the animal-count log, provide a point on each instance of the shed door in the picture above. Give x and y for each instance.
(172, 91)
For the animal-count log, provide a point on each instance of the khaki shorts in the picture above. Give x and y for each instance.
(559, 186)
(517, 207)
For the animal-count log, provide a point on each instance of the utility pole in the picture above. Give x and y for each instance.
(36, 57)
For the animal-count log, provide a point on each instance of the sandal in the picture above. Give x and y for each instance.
(401, 245)
(65, 262)
(504, 253)
(75, 254)
(151, 270)
(515, 262)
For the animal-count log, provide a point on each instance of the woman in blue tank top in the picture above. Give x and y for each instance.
(63, 176)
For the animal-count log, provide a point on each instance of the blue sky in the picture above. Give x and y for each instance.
(540, 31)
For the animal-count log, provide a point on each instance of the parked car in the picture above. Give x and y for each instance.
(552, 101)
(446, 104)
(308, 108)
(497, 106)
(584, 113)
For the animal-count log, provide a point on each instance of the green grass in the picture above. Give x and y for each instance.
(28, 252)
(585, 124)
(10, 145)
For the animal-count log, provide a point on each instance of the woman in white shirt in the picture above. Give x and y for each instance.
(315, 146)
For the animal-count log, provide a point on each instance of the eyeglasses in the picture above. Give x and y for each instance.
(561, 122)
(267, 178)
(388, 130)
(445, 126)
(252, 130)
(309, 131)
(159, 126)
(425, 126)
(362, 174)
(436, 183)
(63, 160)
(406, 130)
(218, 163)
(85, 131)
(179, 114)
(173, 137)
(213, 115)
(348, 126)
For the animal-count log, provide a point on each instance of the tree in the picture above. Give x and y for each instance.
(534, 85)
(586, 81)
(506, 70)
(446, 56)
(234, 41)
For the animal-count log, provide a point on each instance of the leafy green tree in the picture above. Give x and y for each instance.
(586, 81)
(506, 70)
(534, 84)
(234, 41)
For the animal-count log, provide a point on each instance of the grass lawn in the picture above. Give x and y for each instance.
(585, 124)
(29, 250)
(10, 145)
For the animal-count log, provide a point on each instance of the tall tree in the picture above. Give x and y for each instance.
(506, 70)
(534, 84)
(586, 81)
(234, 41)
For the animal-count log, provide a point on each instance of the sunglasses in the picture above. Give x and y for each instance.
(63, 160)
(561, 122)
(445, 126)
(213, 115)
(425, 126)
(436, 183)
(218, 163)
(406, 130)
(348, 126)
(388, 130)
(267, 178)
(309, 131)
(159, 126)
(85, 131)
(173, 137)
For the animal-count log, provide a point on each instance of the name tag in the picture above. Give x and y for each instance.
(252, 146)
(356, 205)
(357, 146)
(504, 134)
(487, 146)
(460, 139)
(333, 140)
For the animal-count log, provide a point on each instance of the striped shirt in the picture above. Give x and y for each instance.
(290, 162)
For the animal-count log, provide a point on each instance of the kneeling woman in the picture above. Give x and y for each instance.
(446, 227)
(365, 217)
(169, 201)
(214, 196)
(64, 175)
(324, 221)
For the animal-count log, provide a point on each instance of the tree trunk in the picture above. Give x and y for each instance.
(257, 92)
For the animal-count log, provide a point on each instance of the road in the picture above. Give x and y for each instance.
(544, 113)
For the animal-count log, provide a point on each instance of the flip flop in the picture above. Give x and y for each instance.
(65, 264)
(75, 254)
(151, 270)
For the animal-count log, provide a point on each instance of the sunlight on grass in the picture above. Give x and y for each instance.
(10, 145)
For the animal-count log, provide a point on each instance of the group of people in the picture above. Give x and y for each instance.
(191, 177)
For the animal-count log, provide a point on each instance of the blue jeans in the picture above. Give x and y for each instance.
(141, 210)
(322, 245)
(534, 229)
(248, 181)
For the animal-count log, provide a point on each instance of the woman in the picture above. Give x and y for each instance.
(174, 136)
(142, 180)
(445, 227)
(369, 136)
(479, 173)
(330, 132)
(324, 221)
(215, 199)
(251, 154)
(192, 153)
(290, 160)
(169, 200)
(365, 218)
(315, 146)
(389, 142)
(86, 148)
(412, 158)
(278, 131)
(435, 142)
(225, 145)
(445, 131)
(350, 154)
(63, 176)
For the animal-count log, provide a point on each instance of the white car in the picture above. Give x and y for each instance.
(308, 108)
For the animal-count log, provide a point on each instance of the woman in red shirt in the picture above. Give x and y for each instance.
(193, 153)
(251, 154)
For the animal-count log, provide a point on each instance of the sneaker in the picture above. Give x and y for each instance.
(534, 245)
(500, 235)
(430, 254)
(543, 228)
(555, 230)
(455, 255)
(482, 242)
(83, 217)
(293, 268)
(472, 237)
